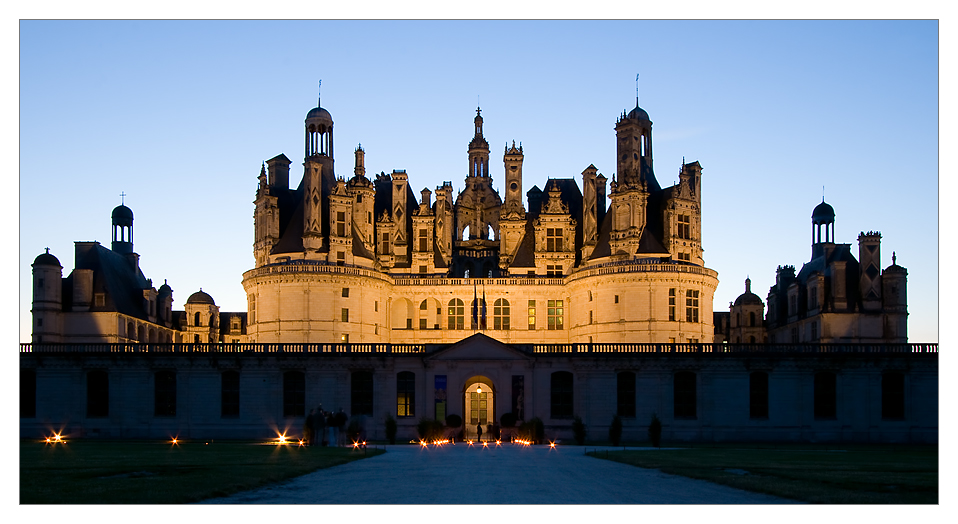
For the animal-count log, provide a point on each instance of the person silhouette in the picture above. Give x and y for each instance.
(478, 432)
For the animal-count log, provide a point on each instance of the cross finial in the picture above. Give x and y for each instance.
(48, 252)
(122, 195)
(319, 94)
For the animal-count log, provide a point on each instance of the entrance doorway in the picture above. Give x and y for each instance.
(479, 406)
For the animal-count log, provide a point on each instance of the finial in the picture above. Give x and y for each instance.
(636, 90)
(823, 193)
(122, 195)
(748, 284)
(164, 281)
(48, 251)
(319, 94)
(894, 258)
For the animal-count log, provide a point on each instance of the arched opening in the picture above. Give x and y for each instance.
(478, 407)
(196, 319)
(141, 334)
(751, 319)
(402, 314)
(430, 313)
(465, 233)
(130, 331)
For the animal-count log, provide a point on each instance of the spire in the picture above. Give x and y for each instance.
(748, 285)
(636, 90)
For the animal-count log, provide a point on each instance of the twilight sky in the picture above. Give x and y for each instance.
(180, 116)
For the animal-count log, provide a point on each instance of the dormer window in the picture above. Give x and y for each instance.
(554, 239)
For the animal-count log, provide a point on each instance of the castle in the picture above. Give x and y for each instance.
(480, 305)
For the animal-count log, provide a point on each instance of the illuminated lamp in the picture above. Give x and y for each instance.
(479, 389)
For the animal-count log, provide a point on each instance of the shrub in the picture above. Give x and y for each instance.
(615, 430)
(390, 428)
(578, 430)
(429, 429)
(453, 421)
(533, 430)
(655, 431)
(352, 431)
(508, 420)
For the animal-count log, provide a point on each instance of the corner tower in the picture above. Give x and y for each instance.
(318, 176)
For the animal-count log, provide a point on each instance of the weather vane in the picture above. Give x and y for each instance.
(636, 89)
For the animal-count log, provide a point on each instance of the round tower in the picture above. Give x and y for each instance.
(47, 298)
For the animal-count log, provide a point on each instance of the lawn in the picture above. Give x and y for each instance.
(816, 474)
(154, 472)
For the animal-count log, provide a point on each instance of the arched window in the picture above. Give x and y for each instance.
(130, 331)
(893, 395)
(141, 334)
(402, 310)
(561, 395)
(684, 398)
(758, 395)
(738, 320)
(406, 394)
(294, 394)
(500, 314)
(361, 393)
(457, 314)
(825, 395)
(97, 394)
(164, 394)
(751, 319)
(229, 394)
(196, 319)
(625, 394)
(28, 393)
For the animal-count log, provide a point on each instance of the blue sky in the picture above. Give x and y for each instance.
(180, 115)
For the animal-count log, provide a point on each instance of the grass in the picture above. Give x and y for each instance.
(815, 474)
(154, 472)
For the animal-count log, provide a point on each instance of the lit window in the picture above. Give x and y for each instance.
(555, 314)
(406, 394)
(345, 315)
(532, 315)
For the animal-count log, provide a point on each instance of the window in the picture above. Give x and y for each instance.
(590, 296)
(229, 394)
(532, 315)
(164, 394)
(376, 306)
(794, 335)
(294, 394)
(684, 227)
(553, 239)
(590, 317)
(406, 394)
(361, 393)
(812, 298)
(672, 305)
(340, 223)
(423, 242)
(99, 300)
(625, 394)
(554, 270)
(345, 314)
(500, 314)
(561, 397)
(792, 305)
(825, 395)
(422, 270)
(341, 258)
(28, 393)
(345, 292)
(345, 338)
(751, 319)
(684, 395)
(384, 247)
(369, 217)
(196, 320)
(758, 395)
(97, 394)
(814, 331)
(617, 299)
(457, 314)
(252, 309)
(893, 395)
(692, 305)
(555, 314)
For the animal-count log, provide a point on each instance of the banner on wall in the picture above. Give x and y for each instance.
(441, 397)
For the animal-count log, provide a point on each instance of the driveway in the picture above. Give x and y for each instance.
(510, 474)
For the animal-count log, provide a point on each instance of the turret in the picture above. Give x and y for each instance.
(47, 298)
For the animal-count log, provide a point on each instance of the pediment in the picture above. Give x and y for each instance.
(479, 347)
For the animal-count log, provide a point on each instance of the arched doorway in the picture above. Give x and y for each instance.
(478, 405)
